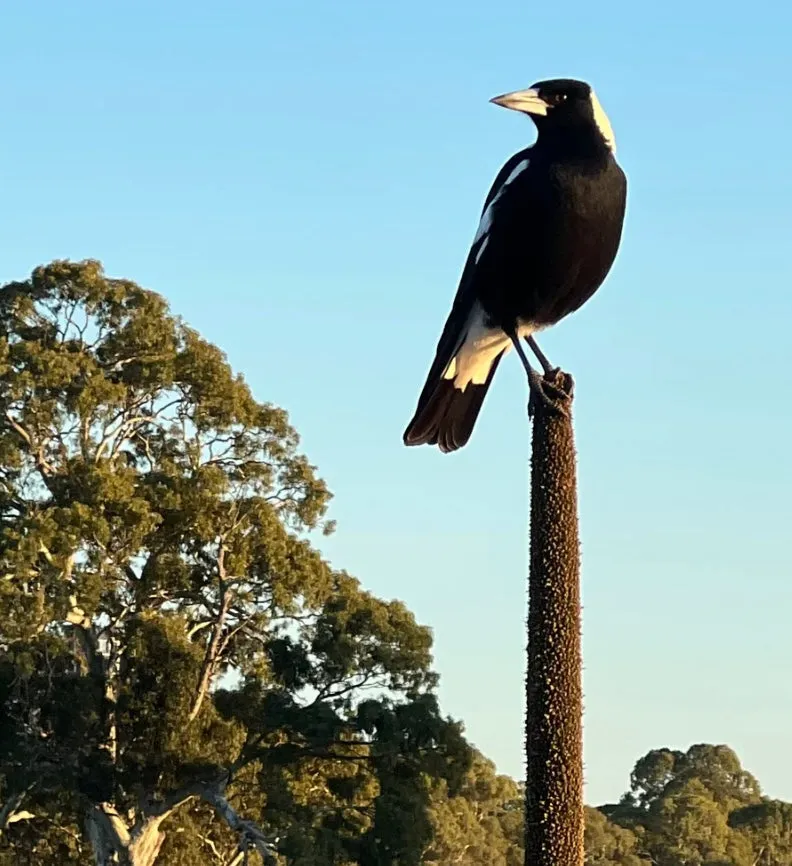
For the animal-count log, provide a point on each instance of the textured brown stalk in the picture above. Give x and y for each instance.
(554, 706)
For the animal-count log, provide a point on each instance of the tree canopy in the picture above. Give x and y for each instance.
(170, 639)
(700, 808)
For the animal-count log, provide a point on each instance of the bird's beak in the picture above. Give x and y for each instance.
(527, 101)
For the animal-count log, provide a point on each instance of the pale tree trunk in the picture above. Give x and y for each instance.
(115, 843)
(137, 841)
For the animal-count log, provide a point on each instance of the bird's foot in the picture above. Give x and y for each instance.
(553, 390)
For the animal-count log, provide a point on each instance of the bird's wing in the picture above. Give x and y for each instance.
(464, 305)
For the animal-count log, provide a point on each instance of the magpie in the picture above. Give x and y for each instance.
(549, 232)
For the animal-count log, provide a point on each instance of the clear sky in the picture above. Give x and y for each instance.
(302, 181)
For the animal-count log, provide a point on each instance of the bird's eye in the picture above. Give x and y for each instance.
(557, 98)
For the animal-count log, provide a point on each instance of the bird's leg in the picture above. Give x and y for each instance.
(537, 384)
(540, 356)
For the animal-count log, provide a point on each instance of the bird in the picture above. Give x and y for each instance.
(548, 235)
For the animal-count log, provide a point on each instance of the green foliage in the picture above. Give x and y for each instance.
(698, 808)
(663, 771)
(155, 543)
(482, 822)
(768, 827)
(694, 829)
(608, 844)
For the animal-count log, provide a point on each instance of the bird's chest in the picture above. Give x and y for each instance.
(573, 215)
(557, 244)
(570, 228)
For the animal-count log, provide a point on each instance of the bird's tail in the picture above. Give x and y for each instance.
(446, 415)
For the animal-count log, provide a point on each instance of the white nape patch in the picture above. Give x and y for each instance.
(480, 347)
(603, 124)
(486, 218)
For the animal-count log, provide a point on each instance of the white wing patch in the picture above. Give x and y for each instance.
(480, 346)
(486, 218)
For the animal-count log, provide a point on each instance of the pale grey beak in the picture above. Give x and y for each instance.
(527, 101)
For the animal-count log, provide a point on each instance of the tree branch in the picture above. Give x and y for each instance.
(214, 647)
(9, 813)
(36, 452)
(20, 430)
(250, 834)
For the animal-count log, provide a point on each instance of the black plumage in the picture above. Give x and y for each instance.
(549, 233)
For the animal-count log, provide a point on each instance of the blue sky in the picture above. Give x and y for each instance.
(302, 181)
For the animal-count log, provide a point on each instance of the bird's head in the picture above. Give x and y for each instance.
(561, 104)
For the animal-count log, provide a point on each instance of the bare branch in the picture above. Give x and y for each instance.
(198, 626)
(250, 834)
(212, 847)
(20, 816)
(19, 429)
(36, 451)
(242, 625)
(365, 682)
(214, 647)
(9, 813)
